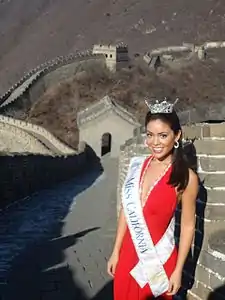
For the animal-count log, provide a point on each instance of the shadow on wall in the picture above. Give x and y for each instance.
(105, 293)
(217, 294)
(41, 270)
(21, 175)
(191, 262)
(37, 269)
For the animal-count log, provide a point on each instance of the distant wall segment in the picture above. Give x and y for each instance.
(38, 133)
(32, 85)
(23, 174)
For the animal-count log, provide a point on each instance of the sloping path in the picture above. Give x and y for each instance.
(54, 245)
(41, 134)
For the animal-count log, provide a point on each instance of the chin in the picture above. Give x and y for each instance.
(161, 155)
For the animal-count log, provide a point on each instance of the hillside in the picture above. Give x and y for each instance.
(34, 31)
(197, 85)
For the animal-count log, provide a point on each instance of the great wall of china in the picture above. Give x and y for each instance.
(34, 136)
(20, 136)
(31, 86)
(19, 88)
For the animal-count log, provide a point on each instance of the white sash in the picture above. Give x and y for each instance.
(152, 257)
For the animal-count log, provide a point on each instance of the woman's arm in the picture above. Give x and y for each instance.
(188, 202)
(121, 228)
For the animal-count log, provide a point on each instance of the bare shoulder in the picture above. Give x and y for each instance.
(193, 179)
(191, 190)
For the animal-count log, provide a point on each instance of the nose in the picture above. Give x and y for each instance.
(156, 141)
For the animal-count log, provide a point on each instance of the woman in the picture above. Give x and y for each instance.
(145, 262)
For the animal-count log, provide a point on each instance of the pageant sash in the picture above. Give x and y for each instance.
(149, 269)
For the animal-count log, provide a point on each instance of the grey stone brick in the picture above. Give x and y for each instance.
(202, 275)
(212, 164)
(210, 147)
(215, 282)
(217, 241)
(215, 196)
(214, 130)
(211, 262)
(192, 296)
(212, 180)
(215, 213)
(203, 291)
(191, 132)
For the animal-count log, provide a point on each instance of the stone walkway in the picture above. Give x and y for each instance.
(55, 244)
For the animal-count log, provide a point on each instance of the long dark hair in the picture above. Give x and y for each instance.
(180, 172)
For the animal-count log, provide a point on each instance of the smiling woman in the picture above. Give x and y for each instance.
(145, 262)
(164, 139)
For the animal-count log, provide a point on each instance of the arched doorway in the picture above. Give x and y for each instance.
(106, 143)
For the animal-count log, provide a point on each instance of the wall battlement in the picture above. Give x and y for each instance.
(188, 49)
(39, 137)
(25, 173)
(116, 55)
(28, 80)
(208, 150)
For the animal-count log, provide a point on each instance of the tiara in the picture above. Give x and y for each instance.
(163, 107)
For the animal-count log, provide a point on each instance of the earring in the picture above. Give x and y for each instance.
(176, 145)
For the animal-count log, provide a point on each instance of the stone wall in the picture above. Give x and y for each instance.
(15, 140)
(37, 137)
(188, 49)
(37, 81)
(205, 268)
(23, 174)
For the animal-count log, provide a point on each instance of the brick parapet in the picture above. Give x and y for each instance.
(13, 139)
(19, 88)
(25, 173)
(39, 133)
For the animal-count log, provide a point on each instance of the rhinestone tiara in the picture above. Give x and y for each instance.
(163, 107)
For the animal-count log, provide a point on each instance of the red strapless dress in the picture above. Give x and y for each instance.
(158, 211)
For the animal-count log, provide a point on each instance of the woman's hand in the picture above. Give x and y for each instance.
(174, 283)
(112, 263)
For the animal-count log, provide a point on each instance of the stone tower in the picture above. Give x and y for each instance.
(116, 55)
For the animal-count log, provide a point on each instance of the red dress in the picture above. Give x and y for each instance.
(158, 211)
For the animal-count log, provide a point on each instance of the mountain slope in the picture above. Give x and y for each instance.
(32, 32)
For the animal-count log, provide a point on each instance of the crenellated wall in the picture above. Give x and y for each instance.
(33, 84)
(208, 150)
(37, 133)
(15, 140)
(24, 173)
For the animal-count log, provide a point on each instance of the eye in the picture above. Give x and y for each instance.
(149, 134)
(163, 135)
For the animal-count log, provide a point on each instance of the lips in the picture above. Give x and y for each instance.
(158, 150)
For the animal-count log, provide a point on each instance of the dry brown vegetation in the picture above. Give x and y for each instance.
(38, 30)
(195, 85)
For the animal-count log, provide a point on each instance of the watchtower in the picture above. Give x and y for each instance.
(116, 55)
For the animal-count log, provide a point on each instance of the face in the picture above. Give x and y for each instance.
(160, 138)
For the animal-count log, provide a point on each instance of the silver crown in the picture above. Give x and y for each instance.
(163, 107)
